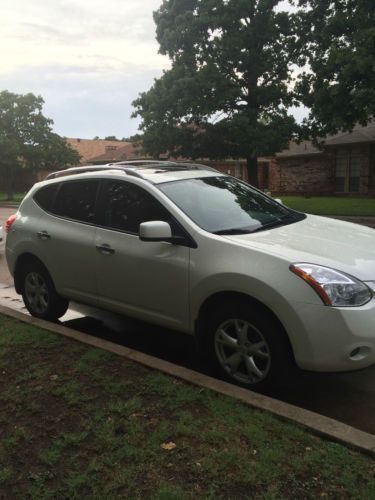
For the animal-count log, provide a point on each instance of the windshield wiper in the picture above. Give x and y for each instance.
(280, 221)
(233, 230)
(284, 221)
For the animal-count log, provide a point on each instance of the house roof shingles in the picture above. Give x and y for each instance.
(124, 152)
(357, 136)
(90, 148)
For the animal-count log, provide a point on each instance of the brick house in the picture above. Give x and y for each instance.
(344, 166)
(92, 148)
(237, 168)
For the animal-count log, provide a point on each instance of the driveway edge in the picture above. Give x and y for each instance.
(319, 424)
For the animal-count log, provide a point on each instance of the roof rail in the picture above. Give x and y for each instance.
(138, 163)
(165, 164)
(91, 168)
(130, 168)
(194, 166)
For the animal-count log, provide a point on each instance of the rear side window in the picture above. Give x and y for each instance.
(76, 200)
(45, 196)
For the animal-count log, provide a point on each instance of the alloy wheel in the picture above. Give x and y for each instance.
(242, 351)
(36, 292)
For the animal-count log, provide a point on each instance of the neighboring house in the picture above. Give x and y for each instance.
(238, 169)
(133, 151)
(92, 148)
(345, 165)
(126, 151)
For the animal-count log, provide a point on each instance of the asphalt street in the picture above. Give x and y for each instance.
(347, 397)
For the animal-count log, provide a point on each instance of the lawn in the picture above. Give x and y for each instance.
(327, 205)
(78, 422)
(17, 197)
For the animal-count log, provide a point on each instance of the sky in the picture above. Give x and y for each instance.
(88, 59)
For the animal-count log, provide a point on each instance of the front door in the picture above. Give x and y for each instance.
(148, 280)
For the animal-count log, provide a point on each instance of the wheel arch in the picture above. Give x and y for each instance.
(21, 263)
(218, 299)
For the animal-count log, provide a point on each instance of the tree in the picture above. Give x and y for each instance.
(227, 93)
(111, 138)
(26, 138)
(133, 138)
(338, 42)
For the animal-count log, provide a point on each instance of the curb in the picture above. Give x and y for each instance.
(319, 424)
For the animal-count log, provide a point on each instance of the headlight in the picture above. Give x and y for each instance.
(333, 287)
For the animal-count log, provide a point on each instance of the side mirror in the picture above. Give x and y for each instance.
(155, 230)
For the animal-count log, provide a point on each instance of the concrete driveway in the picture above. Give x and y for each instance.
(347, 397)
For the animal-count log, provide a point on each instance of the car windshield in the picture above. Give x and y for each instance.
(225, 205)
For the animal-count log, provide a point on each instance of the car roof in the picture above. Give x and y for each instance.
(153, 171)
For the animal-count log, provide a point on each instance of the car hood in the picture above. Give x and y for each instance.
(319, 240)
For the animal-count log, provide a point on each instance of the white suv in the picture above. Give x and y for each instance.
(261, 286)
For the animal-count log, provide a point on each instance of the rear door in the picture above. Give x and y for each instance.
(148, 280)
(67, 235)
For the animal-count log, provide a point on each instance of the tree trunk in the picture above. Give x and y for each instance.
(252, 171)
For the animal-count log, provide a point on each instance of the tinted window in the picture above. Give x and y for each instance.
(76, 200)
(45, 196)
(126, 206)
(224, 204)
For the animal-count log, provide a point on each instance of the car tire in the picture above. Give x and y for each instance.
(39, 293)
(246, 345)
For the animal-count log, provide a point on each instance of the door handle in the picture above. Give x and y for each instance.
(43, 235)
(105, 249)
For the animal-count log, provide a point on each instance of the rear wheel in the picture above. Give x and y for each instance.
(39, 294)
(246, 345)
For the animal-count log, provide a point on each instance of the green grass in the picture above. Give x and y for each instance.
(78, 422)
(17, 197)
(326, 205)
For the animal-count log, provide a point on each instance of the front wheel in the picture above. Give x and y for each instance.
(247, 346)
(39, 294)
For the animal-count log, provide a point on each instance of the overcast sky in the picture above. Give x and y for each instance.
(88, 59)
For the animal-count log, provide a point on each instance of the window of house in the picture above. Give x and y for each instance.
(125, 206)
(348, 171)
(238, 171)
(76, 200)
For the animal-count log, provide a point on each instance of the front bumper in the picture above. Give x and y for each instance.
(330, 339)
